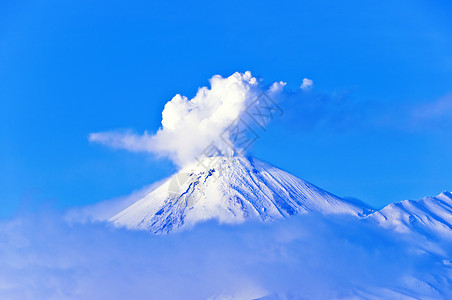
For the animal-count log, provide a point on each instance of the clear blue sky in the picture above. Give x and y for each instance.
(68, 68)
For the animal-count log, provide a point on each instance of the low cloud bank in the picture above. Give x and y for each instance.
(305, 257)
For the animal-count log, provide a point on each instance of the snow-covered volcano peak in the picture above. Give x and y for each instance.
(231, 190)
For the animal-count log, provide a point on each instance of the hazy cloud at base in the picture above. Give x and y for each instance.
(310, 256)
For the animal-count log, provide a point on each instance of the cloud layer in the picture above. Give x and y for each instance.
(305, 257)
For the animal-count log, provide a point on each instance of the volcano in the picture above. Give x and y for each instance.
(230, 190)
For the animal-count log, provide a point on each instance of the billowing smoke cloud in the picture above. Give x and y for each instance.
(190, 125)
(305, 257)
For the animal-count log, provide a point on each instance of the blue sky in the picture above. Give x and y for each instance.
(382, 76)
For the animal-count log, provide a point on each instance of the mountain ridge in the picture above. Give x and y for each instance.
(237, 189)
(428, 216)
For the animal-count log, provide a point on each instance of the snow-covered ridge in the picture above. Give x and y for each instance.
(237, 189)
(231, 190)
(430, 215)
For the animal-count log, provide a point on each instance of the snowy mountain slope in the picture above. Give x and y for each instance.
(430, 215)
(231, 190)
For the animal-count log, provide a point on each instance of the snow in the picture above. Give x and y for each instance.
(429, 216)
(231, 190)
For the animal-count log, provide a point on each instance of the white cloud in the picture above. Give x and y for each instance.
(307, 84)
(190, 125)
